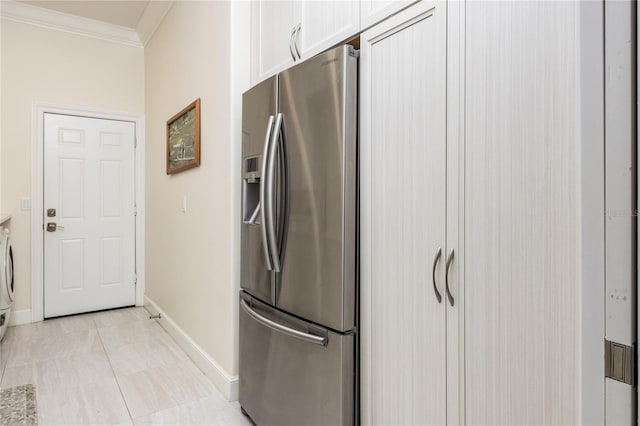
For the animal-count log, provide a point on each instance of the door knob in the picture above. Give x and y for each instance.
(52, 227)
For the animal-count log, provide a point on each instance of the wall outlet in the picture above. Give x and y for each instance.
(25, 205)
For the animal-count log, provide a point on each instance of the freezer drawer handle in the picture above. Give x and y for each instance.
(310, 338)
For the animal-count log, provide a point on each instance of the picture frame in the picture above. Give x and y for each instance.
(183, 139)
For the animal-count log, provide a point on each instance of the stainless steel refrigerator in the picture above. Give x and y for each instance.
(298, 303)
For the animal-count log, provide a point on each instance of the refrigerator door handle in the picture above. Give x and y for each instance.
(310, 338)
(264, 206)
(271, 193)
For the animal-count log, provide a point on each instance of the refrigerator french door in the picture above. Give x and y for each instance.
(298, 315)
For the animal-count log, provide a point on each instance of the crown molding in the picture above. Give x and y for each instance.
(150, 20)
(45, 18)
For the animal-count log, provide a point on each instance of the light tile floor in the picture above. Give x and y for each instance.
(113, 368)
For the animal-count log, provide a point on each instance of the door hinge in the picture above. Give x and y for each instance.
(619, 362)
(135, 279)
(135, 210)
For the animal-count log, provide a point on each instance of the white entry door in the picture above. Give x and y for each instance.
(89, 221)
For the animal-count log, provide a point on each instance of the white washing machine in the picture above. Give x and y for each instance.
(6, 279)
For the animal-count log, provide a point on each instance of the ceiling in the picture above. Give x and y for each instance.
(126, 13)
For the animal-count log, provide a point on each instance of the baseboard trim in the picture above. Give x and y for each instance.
(20, 317)
(226, 383)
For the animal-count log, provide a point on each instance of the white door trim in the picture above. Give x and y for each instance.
(37, 194)
(620, 266)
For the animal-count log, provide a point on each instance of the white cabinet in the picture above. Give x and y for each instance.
(470, 142)
(374, 11)
(326, 23)
(521, 215)
(272, 23)
(284, 32)
(403, 206)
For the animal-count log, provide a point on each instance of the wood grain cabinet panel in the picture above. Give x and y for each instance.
(470, 142)
(403, 182)
(521, 213)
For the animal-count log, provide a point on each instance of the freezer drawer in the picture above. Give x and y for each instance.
(292, 372)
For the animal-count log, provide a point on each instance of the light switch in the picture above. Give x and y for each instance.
(184, 204)
(25, 204)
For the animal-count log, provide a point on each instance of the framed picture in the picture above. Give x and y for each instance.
(183, 139)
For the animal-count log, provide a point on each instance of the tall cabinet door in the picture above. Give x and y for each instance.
(522, 213)
(402, 182)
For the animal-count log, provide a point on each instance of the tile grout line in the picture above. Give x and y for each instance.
(115, 376)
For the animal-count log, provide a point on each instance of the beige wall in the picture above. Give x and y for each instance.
(191, 258)
(189, 255)
(1, 209)
(41, 65)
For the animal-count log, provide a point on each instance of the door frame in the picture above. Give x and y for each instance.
(37, 196)
(620, 203)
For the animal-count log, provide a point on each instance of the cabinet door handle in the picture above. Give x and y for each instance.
(433, 274)
(295, 40)
(446, 277)
(293, 56)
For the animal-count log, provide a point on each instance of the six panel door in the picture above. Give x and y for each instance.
(89, 238)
